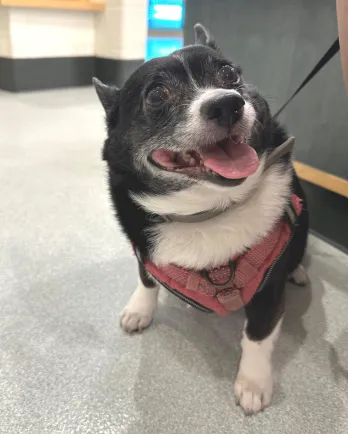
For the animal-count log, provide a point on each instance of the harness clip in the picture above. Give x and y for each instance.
(227, 284)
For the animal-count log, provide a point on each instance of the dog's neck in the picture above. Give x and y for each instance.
(259, 203)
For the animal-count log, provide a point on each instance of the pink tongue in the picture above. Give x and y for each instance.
(234, 161)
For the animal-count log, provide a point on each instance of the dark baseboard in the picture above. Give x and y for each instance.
(7, 81)
(115, 71)
(18, 75)
(328, 213)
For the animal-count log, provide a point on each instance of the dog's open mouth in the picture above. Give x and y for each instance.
(231, 158)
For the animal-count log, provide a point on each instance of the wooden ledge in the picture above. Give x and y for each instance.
(82, 5)
(322, 179)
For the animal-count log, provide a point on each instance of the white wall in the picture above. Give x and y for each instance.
(51, 33)
(121, 30)
(118, 32)
(5, 40)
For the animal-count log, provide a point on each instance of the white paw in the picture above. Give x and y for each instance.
(132, 321)
(254, 384)
(138, 313)
(253, 394)
(300, 276)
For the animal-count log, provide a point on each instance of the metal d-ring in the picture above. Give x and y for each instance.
(205, 275)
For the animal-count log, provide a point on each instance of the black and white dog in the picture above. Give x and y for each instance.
(185, 136)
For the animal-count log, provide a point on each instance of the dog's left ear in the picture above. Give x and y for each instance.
(203, 37)
(108, 95)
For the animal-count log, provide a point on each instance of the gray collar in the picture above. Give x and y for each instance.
(279, 152)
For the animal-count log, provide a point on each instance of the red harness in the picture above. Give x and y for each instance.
(232, 285)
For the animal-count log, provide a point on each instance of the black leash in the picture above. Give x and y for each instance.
(335, 47)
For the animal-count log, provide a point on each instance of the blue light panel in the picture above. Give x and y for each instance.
(166, 14)
(158, 47)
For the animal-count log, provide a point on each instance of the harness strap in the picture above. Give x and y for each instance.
(279, 152)
(233, 284)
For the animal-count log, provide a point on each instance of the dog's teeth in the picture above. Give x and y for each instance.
(192, 162)
(186, 157)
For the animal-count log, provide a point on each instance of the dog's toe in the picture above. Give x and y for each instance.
(138, 313)
(251, 395)
(132, 321)
(300, 276)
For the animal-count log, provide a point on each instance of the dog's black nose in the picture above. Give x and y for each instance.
(224, 110)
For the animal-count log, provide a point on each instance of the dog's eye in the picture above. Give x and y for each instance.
(158, 96)
(228, 76)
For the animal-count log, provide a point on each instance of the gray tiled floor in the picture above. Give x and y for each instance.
(65, 274)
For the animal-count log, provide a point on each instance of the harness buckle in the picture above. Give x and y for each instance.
(227, 284)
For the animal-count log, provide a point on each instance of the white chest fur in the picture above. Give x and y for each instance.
(211, 243)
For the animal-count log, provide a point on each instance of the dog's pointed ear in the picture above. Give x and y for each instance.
(203, 36)
(108, 95)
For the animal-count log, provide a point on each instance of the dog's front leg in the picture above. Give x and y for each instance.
(254, 383)
(138, 313)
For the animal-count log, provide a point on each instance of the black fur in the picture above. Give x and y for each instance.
(135, 129)
(267, 306)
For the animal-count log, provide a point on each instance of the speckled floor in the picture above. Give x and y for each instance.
(65, 273)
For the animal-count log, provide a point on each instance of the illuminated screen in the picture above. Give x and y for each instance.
(158, 47)
(166, 14)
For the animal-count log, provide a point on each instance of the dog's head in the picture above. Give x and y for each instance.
(183, 119)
